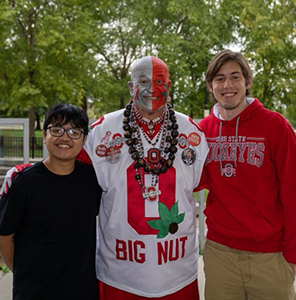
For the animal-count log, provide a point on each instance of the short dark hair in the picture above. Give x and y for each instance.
(64, 113)
(223, 57)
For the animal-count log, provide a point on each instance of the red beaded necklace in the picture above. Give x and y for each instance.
(150, 127)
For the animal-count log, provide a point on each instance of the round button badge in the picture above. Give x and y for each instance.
(194, 139)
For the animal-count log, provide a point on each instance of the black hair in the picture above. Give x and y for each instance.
(64, 113)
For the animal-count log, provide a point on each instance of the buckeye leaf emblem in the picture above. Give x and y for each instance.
(169, 220)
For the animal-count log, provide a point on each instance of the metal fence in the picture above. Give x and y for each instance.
(13, 147)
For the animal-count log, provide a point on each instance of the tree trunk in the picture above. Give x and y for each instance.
(84, 104)
(122, 101)
(38, 125)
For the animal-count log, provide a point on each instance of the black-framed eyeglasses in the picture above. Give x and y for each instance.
(72, 133)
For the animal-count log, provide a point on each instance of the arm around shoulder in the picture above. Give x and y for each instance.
(7, 249)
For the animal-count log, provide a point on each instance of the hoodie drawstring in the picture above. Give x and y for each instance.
(220, 144)
(236, 138)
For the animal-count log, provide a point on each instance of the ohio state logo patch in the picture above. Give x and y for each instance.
(183, 142)
(117, 140)
(228, 170)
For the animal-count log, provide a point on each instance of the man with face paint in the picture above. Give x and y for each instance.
(147, 242)
(147, 246)
(150, 86)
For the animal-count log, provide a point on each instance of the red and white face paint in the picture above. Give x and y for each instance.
(150, 83)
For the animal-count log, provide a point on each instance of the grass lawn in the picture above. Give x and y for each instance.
(11, 143)
(196, 196)
(17, 132)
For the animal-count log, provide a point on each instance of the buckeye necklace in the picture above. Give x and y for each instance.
(150, 123)
(159, 159)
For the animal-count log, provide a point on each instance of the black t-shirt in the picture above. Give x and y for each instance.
(54, 221)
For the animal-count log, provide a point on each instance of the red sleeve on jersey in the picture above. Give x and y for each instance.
(98, 122)
(83, 156)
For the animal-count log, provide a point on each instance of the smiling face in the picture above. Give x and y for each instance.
(150, 83)
(229, 88)
(63, 148)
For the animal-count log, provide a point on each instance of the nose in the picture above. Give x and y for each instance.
(228, 82)
(65, 136)
(149, 90)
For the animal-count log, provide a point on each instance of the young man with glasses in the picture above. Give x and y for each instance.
(48, 218)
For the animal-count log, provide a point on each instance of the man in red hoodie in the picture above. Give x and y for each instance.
(251, 174)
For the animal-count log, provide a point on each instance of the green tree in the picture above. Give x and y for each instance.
(193, 30)
(268, 31)
(176, 31)
(121, 34)
(44, 55)
(81, 51)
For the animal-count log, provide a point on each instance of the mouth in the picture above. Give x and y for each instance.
(150, 98)
(63, 147)
(228, 94)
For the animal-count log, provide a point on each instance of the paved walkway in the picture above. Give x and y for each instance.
(5, 286)
(6, 283)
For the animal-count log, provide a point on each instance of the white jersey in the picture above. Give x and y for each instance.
(148, 259)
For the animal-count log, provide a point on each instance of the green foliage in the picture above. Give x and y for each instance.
(290, 114)
(45, 55)
(18, 133)
(268, 30)
(4, 269)
(81, 51)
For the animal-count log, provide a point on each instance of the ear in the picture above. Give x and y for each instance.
(248, 83)
(44, 135)
(131, 87)
(84, 139)
(210, 87)
(168, 92)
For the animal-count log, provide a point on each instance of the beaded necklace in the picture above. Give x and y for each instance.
(150, 123)
(160, 159)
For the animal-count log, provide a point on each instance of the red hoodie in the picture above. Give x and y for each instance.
(251, 175)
